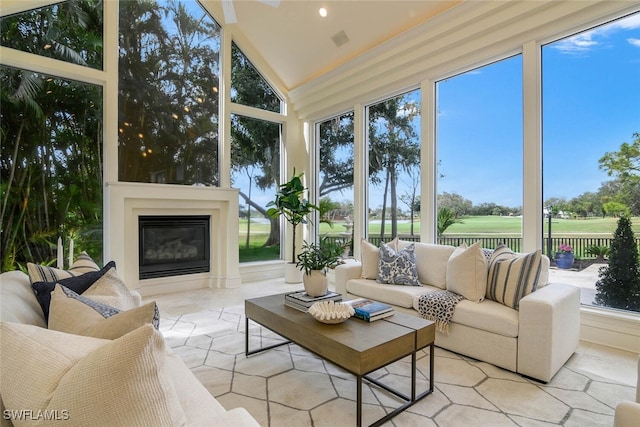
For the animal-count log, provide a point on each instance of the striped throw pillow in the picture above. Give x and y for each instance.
(512, 276)
(42, 273)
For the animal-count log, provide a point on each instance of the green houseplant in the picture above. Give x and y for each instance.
(314, 260)
(292, 205)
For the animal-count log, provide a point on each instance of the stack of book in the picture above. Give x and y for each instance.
(300, 300)
(370, 310)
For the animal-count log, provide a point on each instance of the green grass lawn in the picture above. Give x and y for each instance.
(477, 225)
(470, 226)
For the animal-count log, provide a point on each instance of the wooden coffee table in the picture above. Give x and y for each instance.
(355, 345)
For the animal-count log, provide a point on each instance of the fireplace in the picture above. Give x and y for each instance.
(173, 245)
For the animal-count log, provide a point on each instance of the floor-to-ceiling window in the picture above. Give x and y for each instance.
(394, 167)
(255, 159)
(479, 155)
(51, 167)
(591, 153)
(334, 138)
(168, 98)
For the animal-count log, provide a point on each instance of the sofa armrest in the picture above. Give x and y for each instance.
(627, 414)
(346, 272)
(549, 330)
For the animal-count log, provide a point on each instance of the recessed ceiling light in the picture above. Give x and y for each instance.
(323, 12)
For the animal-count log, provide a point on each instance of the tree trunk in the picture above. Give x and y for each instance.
(394, 202)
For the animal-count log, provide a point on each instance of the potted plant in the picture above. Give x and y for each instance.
(314, 260)
(564, 257)
(294, 207)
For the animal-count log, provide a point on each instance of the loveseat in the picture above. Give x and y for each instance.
(71, 379)
(533, 335)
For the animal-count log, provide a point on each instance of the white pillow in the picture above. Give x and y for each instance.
(431, 262)
(467, 272)
(369, 258)
(369, 255)
(111, 290)
(76, 314)
(88, 381)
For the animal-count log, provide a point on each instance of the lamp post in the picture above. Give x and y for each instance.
(549, 213)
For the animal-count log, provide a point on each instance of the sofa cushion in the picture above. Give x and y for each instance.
(42, 273)
(488, 316)
(78, 284)
(94, 382)
(431, 262)
(467, 272)
(512, 276)
(401, 296)
(76, 314)
(18, 303)
(397, 268)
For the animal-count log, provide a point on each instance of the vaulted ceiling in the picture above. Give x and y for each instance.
(300, 45)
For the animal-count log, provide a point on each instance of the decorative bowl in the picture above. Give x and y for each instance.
(331, 312)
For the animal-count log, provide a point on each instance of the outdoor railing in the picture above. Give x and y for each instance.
(579, 244)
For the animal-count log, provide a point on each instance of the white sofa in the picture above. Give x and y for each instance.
(18, 305)
(535, 340)
(627, 412)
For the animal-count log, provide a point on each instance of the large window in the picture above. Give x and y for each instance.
(69, 31)
(168, 100)
(248, 87)
(479, 139)
(591, 112)
(335, 186)
(51, 164)
(255, 154)
(255, 161)
(394, 167)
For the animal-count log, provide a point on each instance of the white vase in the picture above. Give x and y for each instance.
(292, 274)
(315, 284)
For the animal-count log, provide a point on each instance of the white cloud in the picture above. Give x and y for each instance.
(577, 44)
(634, 42)
(584, 42)
(630, 23)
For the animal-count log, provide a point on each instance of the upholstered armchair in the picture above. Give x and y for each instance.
(628, 413)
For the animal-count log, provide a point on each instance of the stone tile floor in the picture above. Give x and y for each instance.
(289, 386)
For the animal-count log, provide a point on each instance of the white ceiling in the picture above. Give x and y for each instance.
(297, 43)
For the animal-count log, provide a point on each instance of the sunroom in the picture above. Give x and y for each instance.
(485, 101)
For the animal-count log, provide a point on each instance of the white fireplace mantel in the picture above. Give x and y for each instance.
(125, 202)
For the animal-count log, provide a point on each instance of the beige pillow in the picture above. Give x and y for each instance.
(42, 273)
(369, 255)
(111, 290)
(76, 314)
(511, 276)
(467, 272)
(87, 381)
(431, 262)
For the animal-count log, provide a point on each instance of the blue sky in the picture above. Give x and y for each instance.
(591, 105)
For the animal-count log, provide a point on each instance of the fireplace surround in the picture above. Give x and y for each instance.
(126, 202)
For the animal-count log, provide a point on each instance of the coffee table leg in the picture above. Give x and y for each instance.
(359, 400)
(259, 350)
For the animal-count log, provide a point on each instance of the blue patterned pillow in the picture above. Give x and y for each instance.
(397, 268)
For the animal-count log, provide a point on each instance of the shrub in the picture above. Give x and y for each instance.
(619, 283)
(600, 252)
